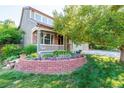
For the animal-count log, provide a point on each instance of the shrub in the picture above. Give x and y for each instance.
(30, 49)
(9, 34)
(32, 56)
(61, 52)
(11, 50)
(102, 47)
(12, 58)
(47, 55)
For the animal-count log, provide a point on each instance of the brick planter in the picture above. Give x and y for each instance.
(50, 66)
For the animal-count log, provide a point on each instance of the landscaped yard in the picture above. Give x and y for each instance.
(95, 25)
(100, 71)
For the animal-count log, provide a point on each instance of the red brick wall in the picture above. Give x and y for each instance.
(50, 66)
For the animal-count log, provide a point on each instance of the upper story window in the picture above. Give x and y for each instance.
(44, 20)
(31, 14)
(50, 22)
(40, 18)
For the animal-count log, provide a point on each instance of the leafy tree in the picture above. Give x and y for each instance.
(9, 33)
(116, 7)
(108, 30)
(102, 25)
(64, 23)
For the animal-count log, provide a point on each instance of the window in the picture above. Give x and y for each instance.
(41, 18)
(32, 14)
(49, 22)
(45, 20)
(38, 17)
(47, 39)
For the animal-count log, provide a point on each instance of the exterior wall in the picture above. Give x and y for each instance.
(50, 66)
(27, 25)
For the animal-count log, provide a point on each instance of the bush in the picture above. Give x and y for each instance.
(32, 56)
(12, 58)
(60, 53)
(11, 50)
(48, 55)
(102, 47)
(30, 49)
(9, 34)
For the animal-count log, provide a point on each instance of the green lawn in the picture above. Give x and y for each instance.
(99, 71)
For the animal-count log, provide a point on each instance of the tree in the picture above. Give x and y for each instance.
(65, 27)
(94, 24)
(9, 34)
(116, 7)
(109, 26)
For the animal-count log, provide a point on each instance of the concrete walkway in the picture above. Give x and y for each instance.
(102, 52)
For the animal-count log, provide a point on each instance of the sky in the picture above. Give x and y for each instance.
(14, 12)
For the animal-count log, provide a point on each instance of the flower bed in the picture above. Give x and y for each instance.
(59, 66)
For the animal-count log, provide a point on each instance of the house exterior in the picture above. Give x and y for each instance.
(38, 29)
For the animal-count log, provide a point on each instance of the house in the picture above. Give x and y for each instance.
(38, 28)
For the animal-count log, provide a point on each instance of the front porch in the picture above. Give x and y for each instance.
(47, 40)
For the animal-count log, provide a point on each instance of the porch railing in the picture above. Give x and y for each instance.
(51, 47)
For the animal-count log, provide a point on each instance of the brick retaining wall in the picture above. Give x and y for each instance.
(49, 66)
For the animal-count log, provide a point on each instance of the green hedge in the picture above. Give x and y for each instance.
(57, 54)
(101, 47)
(30, 49)
(11, 50)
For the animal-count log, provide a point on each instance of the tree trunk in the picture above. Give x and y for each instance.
(122, 54)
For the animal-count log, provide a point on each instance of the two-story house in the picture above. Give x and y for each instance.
(37, 24)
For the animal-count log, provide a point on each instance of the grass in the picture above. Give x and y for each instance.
(100, 71)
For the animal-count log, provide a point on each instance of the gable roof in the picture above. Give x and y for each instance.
(35, 10)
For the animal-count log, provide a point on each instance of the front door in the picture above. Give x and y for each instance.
(60, 40)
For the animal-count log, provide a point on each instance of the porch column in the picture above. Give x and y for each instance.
(38, 40)
(65, 43)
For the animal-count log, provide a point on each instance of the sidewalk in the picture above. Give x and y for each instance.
(102, 52)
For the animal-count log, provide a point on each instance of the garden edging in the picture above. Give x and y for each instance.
(49, 66)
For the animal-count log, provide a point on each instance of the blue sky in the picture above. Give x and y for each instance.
(14, 12)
